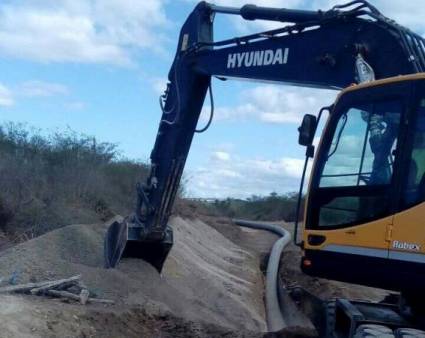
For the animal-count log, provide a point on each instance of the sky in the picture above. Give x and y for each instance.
(98, 67)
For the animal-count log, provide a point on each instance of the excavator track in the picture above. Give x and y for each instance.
(381, 331)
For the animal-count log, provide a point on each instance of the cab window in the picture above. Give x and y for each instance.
(414, 189)
(358, 165)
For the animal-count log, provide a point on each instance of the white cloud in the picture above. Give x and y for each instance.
(6, 97)
(109, 31)
(221, 156)
(98, 31)
(275, 104)
(237, 113)
(35, 88)
(30, 89)
(75, 105)
(159, 84)
(241, 177)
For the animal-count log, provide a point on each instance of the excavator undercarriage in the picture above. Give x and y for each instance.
(344, 318)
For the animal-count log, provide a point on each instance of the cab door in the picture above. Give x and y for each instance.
(407, 245)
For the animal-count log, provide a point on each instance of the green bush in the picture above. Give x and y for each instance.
(47, 181)
(268, 208)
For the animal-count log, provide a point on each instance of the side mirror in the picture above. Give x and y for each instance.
(307, 130)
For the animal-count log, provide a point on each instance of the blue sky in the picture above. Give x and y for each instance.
(98, 67)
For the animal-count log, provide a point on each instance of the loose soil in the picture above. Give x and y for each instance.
(211, 285)
(5, 242)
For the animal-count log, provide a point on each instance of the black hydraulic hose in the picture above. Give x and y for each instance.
(176, 106)
(274, 317)
(199, 131)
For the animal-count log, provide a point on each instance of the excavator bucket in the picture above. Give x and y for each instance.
(123, 240)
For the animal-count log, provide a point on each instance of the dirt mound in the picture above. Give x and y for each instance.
(207, 279)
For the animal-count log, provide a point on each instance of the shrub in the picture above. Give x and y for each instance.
(268, 208)
(47, 181)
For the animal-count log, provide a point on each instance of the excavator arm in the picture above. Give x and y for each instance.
(332, 49)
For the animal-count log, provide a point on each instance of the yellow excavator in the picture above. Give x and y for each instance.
(364, 219)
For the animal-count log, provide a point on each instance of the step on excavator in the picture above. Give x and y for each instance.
(365, 211)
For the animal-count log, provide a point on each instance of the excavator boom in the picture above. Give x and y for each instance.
(328, 49)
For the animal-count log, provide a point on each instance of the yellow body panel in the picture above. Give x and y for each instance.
(409, 228)
(369, 235)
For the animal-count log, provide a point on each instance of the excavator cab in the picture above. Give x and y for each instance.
(367, 187)
(363, 220)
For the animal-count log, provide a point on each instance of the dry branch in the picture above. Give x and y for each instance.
(72, 296)
(57, 288)
(101, 301)
(36, 288)
(63, 294)
(22, 288)
(61, 283)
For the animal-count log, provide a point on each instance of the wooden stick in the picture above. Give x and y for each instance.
(69, 295)
(63, 294)
(55, 284)
(22, 287)
(101, 301)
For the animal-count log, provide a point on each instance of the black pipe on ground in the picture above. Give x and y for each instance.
(274, 317)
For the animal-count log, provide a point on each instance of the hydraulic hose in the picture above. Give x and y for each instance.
(199, 131)
(274, 317)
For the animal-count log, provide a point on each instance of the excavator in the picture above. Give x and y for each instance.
(365, 211)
